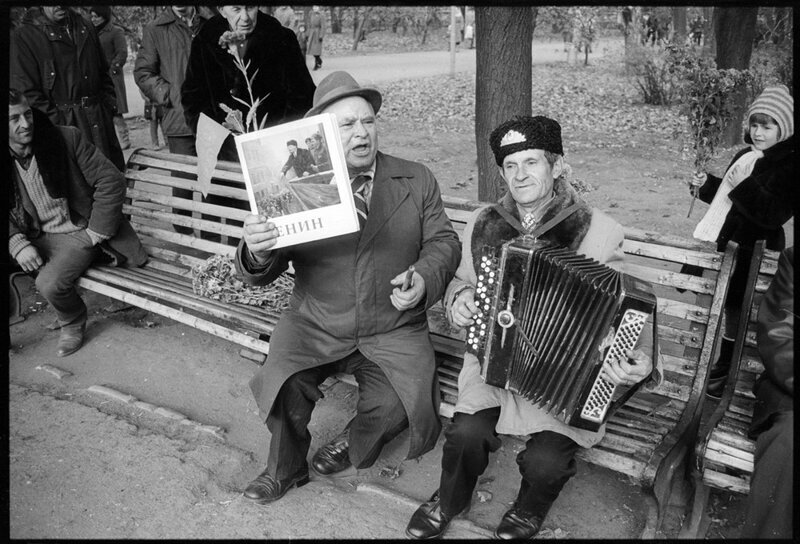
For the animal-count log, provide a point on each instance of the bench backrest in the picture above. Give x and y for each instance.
(151, 177)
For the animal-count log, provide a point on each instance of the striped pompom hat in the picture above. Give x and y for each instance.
(778, 104)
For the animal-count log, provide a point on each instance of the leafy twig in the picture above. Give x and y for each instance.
(231, 41)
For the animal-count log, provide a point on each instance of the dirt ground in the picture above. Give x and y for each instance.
(168, 454)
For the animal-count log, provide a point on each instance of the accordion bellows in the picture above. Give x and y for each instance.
(548, 318)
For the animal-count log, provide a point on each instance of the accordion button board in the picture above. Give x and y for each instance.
(547, 320)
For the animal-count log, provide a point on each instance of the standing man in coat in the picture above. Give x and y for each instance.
(159, 72)
(529, 154)
(64, 212)
(348, 312)
(271, 49)
(115, 49)
(57, 61)
(770, 504)
(316, 31)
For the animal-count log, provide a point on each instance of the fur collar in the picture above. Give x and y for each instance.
(492, 230)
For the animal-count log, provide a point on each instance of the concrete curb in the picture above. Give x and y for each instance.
(167, 413)
(464, 525)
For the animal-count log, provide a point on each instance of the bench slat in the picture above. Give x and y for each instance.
(148, 178)
(729, 457)
(727, 482)
(206, 326)
(184, 220)
(172, 294)
(672, 254)
(224, 212)
(186, 240)
(186, 164)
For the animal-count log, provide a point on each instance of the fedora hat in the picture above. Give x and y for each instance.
(338, 85)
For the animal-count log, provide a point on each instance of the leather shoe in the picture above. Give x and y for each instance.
(518, 524)
(428, 521)
(266, 488)
(333, 457)
(71, 339)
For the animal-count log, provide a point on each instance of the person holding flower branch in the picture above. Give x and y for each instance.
(752, 201)
(245, 72)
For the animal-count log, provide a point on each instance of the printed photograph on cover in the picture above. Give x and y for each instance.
(296, 176)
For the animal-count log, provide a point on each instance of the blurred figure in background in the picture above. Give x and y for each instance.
(316, 28)
(115, 49)
(159, 72)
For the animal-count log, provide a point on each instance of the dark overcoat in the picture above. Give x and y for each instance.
(774, 388)
(160, 67)
(74, 169)
(115, 49)
(340, 300)
(762, 202)
(67, 77)
(212, 77)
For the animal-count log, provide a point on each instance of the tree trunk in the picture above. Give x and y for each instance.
(359, 24)
(734, 31)
(503, 37)
(679, 25)
(709, 43)
(336, 20)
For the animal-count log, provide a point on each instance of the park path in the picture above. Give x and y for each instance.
(376, 69)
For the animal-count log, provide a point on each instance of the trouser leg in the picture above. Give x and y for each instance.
(66, 257)
(288, 421)
(121, 127)
(182, 145)
(770, 504)
(380, 415)
(468, 441)
(546, 464)
(154, 130)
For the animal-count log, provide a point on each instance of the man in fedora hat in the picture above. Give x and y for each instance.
(349, 311)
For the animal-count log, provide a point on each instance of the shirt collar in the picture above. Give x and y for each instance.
(368, 172)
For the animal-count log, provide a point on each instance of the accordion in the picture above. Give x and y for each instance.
(547, 320)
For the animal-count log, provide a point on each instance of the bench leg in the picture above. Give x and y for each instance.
(652, 521)
(14, 302)
(696, 523)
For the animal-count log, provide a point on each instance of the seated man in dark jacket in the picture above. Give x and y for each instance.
(64, 211)
(770, 506)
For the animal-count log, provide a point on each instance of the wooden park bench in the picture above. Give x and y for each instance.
(647, 439)
(723, 456)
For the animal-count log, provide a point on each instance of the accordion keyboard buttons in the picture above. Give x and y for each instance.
(602, 391)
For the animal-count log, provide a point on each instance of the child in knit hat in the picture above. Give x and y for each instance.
(751, 202)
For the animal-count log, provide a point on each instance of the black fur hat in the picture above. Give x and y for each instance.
(525, 132)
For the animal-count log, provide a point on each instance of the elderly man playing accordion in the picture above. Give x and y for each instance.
(528, 151)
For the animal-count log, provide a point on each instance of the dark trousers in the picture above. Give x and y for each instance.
(546, 463)
(379, 418)
(770, 505)
(66, 257)
(182, 145)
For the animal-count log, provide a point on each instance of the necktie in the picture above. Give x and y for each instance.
(359, 187)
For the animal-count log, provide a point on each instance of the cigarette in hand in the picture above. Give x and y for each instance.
(407, 279)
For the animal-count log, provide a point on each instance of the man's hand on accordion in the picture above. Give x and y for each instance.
(637, 368)
(464, 308)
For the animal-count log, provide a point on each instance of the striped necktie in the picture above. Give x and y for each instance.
(359, 187)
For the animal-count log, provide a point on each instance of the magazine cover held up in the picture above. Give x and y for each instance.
(296, 175)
